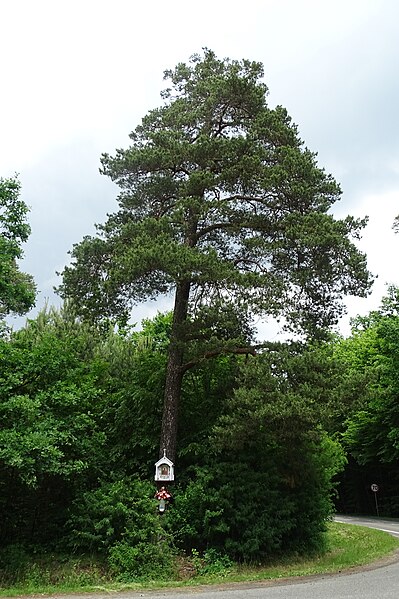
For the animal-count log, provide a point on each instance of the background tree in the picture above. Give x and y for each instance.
(369, 427)
(17, 290)
(223, 207)
(51, 435)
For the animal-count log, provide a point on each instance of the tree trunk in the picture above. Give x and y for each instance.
(174, 374)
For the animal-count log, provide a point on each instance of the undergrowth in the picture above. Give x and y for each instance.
(26, 572)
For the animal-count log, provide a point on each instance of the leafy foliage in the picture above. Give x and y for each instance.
(372, 433)
(142, 560)
(255, 466)
(51, 436)
(46, 392)
(114, 511)
(17, 290)
(370, 427)
(266, 484)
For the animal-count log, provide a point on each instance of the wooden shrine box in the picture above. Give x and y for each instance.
(164, 469)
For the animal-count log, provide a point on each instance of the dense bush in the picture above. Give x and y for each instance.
(120, 519)
(265, 484)
(252, 509)
(123, 510)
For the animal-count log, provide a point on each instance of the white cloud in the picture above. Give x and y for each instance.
(381, 245)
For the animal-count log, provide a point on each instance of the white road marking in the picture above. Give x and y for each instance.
(392, 532)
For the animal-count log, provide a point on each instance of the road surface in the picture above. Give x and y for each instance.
(391, 526)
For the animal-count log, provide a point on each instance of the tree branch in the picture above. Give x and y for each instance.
(249, 350)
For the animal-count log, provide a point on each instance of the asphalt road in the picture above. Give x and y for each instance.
(378, 582)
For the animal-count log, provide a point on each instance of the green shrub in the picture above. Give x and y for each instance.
(252, 510)
(144, 560)
(122, 510)
(120, 519)
(14, 562)
(231, 514)
(213, 562)
(263, 480)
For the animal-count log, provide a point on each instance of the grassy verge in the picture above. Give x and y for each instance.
(348, 546)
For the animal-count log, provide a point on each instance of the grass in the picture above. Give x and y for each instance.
(348, 547)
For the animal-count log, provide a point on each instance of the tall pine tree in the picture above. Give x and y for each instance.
(222, 206)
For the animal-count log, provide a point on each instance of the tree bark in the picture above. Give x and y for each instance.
(174, 374)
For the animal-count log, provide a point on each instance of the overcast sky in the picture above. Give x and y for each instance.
(78, 76)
